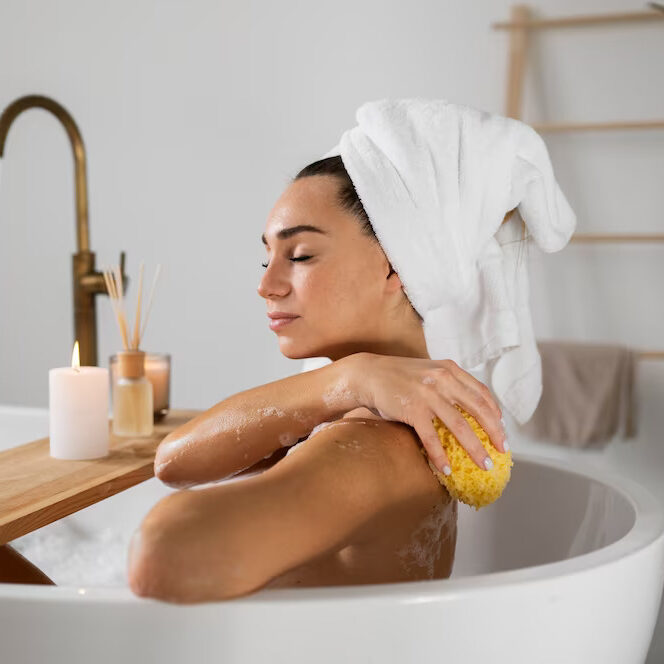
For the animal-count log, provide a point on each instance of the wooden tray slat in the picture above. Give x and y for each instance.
(36, 489)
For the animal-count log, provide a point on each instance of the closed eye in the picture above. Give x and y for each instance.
(295, 258)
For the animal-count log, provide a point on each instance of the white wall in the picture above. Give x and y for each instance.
(195, 114)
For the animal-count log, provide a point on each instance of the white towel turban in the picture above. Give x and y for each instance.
(436, 180)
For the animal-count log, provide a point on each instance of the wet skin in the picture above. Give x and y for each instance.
(356, 503)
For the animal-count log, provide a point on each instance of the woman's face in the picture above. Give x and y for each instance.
(335, 280)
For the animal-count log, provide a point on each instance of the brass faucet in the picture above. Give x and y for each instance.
(86, 281)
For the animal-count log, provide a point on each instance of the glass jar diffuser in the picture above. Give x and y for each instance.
(157, 368)
(131, 390)
(132, 396)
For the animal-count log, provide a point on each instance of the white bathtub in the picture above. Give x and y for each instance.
(567, 566)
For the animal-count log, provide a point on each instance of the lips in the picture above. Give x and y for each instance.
(279, 322)
(278, 315)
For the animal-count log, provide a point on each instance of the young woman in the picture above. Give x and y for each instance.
(357, 503)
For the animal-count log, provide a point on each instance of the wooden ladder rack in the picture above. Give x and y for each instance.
(520, 27)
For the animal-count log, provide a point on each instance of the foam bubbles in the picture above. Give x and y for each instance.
(426, 542)
(350, 444)
(317, 428)
(429, 380)
(339, 394)
(320, 426)
(271, 410)
(74, 553)
(287, 438)
(300, 416)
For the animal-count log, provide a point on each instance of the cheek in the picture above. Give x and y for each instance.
(340, 288)
(318, 286)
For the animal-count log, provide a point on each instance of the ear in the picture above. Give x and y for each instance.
(394, 279)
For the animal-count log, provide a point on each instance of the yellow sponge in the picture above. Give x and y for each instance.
(468, 482)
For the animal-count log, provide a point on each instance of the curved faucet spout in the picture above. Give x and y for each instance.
(37, 101)
(87, 282)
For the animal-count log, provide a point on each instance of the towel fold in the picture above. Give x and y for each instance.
(436, 180)
(587, 394)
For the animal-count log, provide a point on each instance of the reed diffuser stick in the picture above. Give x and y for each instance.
(111, 295)
(137, 321)
(154, 283)
(119, 289)
(113, 279)
(112, 291)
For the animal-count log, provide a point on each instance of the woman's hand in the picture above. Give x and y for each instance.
(415, 390)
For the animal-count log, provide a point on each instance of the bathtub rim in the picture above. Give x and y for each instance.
(647, 529)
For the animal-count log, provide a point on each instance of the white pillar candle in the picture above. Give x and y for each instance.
(78, 411)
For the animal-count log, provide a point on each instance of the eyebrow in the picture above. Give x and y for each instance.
(285, 233)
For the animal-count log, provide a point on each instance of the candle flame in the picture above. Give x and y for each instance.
(75, 359)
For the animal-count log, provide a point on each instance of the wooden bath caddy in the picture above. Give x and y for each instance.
(36, 489)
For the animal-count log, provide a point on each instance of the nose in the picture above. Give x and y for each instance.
(272, 284)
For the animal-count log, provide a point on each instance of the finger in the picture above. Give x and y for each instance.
(485, 415)
(423, 425)
(478, 406)
(464, 433)
(477, 385)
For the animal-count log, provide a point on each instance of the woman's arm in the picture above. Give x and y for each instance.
(340, 488)
(240, 431)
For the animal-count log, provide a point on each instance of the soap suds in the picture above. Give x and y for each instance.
(354, 444)
(287, 438)
(271, 410)
(426, 542)
(318, 427)
(348, 444)
(429, 380)
(74, 552)
(339, 394)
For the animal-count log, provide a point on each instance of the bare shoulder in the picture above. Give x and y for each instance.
(381, 456)
(196, 544)
(372, 487)
(400, 435)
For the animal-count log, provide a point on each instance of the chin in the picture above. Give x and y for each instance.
(298, 351)
(295, 355)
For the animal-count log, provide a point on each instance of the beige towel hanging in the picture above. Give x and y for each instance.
(587, 394)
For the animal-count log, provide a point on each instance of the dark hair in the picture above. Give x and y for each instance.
(348, 198)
